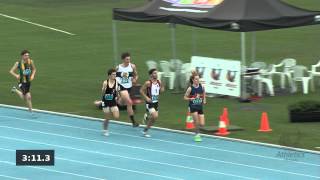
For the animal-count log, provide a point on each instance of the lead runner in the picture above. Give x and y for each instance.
(127, 75)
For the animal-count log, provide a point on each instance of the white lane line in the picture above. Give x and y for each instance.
(11, 177)
(51, 170)
(125, 157)
(98, 165)
(165, 152)
(76, 112)
(167, 141)
(36, 24)
(122, 169)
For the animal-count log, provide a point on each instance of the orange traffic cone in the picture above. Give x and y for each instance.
(226, 116)
(189, 121)
(264, 124)
(222, 127)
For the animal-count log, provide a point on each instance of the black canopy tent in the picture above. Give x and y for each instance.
(227, 15)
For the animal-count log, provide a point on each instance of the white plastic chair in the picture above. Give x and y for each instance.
(259, 64)
(154, 65)
(151, 64)
(268, 82)
(287, 64)
(185, 73)
(314, 73)
(176, 65)
(261, 80)
(299, 73)
(167, 73)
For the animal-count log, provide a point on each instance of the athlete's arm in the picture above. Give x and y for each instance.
(118, 91)
(104, 86)
(187, 94)
(34, 69)
(204, 96)
(143, 90)
(135, 74)
(13, 71)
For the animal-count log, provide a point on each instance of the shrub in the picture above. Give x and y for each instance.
(305, 106)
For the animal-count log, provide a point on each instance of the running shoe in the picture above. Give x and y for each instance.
(105, 132)
(197, 138)
(13, 89)
(146, 134)
(135, 124)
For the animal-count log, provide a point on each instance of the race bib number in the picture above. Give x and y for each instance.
(27, 72)
(124, 80)
(108, 97)
(154, 98)
(197, 101)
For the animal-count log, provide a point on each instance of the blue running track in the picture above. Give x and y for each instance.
(82, 152)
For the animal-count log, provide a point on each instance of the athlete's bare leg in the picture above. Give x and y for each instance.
(125, 99)
(28, 100)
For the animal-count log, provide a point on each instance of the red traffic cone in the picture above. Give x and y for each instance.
(222, 128)
(226, 116)
(264, 124)
(189, 121)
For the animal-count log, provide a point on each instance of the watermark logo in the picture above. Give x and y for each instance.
(290, 155)
(291, 140)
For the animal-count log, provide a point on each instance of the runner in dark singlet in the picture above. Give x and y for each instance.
(196, 96)
(26, 73)
(110, 90)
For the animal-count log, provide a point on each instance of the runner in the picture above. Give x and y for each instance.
(109, 99)
(196, 96)
(150, 91)
(24, 71)
(127, 76)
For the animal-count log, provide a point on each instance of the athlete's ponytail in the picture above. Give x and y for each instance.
(193, 74)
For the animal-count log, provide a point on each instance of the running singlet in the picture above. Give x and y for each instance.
(109, 97)
(197, 93)
(25, 70)
(125, 75)
(153, 91)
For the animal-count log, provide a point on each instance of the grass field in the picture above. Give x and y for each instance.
(72, 68)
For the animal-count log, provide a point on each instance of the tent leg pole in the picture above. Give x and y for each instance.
(115, 42)
(173, 40)
(243, 93)
(194, 41)
(253, 47)
(243, 48)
